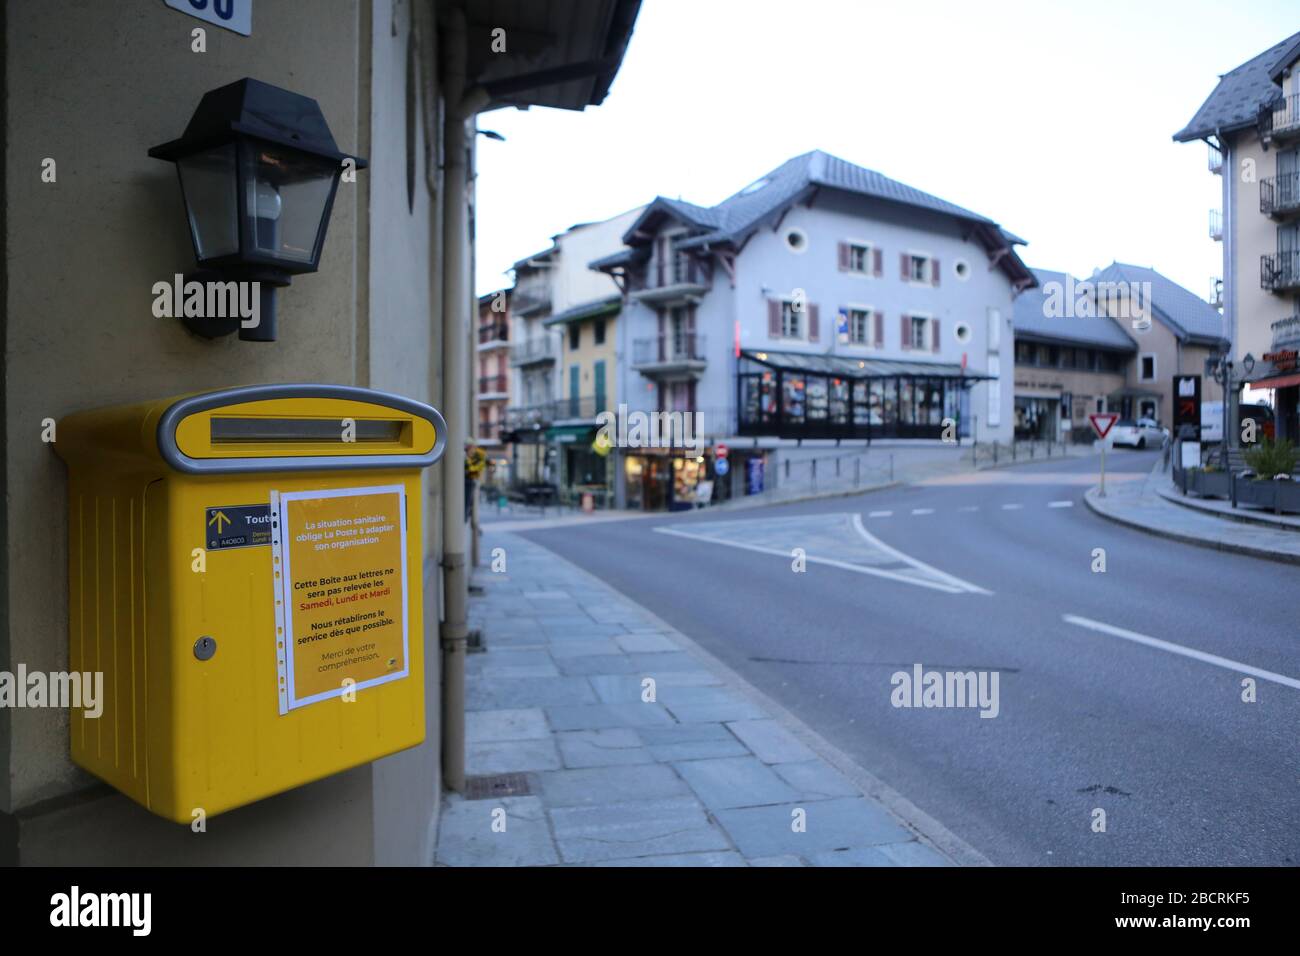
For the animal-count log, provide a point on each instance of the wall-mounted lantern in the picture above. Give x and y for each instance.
(258, 169)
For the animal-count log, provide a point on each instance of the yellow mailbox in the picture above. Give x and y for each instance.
(245, 570)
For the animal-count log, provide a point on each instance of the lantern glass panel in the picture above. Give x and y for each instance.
(211, 195)
(287, 197)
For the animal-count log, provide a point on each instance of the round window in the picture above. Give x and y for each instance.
(796, 240)
(962, 268)
(963, 333)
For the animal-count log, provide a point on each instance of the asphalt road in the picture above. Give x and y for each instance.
(1160, 739)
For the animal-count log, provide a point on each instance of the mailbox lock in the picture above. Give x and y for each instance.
(205, 647)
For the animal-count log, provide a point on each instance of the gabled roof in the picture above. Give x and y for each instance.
(1186, 314)
(1030, 318)
(737, 215)
(1289, 55)
(735, 218)
(1235, 102)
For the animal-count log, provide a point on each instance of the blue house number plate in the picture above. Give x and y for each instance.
(236, 15)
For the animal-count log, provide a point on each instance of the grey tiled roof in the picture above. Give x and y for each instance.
(1187, 314)
(593, 309)
(1029, 319)
(737, 216)
(734, 217)
(1235, 102)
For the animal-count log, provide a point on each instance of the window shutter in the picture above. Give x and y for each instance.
(902, 265)
(880, 330)
(934, 335)
(774, 318)
(659, 313)
(934, 271)
(813, 331)
(844, 256)
(907, 331)
(877, 262)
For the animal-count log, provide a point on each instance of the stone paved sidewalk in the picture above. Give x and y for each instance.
(708, 773)
(1141, 505)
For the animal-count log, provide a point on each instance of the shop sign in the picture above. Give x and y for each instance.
(1284, 360)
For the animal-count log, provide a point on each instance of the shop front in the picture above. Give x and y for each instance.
(583, 466)
(789, 395)
(1281, 373)
(674, 479)
(1037, 418)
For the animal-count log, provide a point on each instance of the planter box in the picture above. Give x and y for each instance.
(1278, 496)
(1209, 484)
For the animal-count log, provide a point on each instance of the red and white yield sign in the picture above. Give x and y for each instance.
(1102, 422)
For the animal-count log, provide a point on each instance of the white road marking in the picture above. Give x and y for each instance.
(919, 565)
(881, 514)
(922, 511)
(1060, 504)
(955, 588)
(1191, 652)
(1012, 507)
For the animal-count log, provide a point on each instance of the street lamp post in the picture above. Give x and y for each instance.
(258, 169)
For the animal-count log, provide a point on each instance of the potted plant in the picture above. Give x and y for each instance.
(1269, 482)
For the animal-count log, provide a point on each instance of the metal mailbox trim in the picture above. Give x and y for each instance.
(173, 456)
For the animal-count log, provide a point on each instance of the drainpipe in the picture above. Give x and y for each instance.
(460, 108)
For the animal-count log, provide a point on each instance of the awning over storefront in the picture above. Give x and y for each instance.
(1276, 381)
(847, 366)
(566, 434)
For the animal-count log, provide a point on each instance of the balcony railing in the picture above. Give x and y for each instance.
(529, 416)
(490, 384)
(662, 278)
(540, 349)
(530, 297)
(1216, 225)
(1282, 120)
(1280, 272)
(1279, 196)
(669, 350)
(583, 406)
(493, 332)
(1216, 160)
(1286, 332)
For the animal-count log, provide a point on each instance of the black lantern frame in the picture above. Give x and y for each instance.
(266, 149)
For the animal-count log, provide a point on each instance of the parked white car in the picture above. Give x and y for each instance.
(1143, 433)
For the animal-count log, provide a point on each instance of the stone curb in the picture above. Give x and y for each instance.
(1090, 499)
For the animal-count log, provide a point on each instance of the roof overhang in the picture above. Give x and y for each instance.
(600, 309)
(855, 367)
(563, 54)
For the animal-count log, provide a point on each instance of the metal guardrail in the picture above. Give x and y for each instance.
(997, 453)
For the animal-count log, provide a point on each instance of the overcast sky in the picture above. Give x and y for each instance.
(1052, 117)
